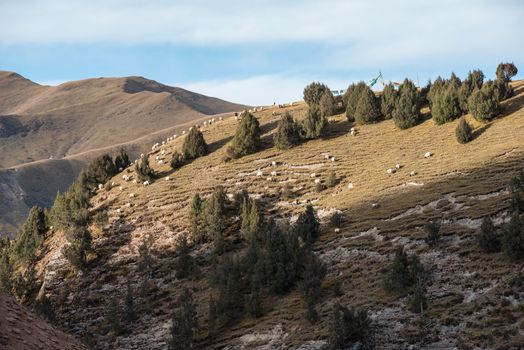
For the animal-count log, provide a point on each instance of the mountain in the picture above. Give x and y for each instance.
(48, 133)
(474, 299)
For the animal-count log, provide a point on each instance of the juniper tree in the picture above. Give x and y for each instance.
(487, 236)
(121, 160)
(307, 226)
(79, 240)
(368, 109)
(215, 218)
(177, 161)
(483, 105)
(313, 93)
(435, 89)
(473, 82)
(501, 90)
(418, 301)
(351, 98)
(6, 272)
(348, 327)
(314, 125)
(31, 235)
(254, 299)
(513, 237)
(446, 106)
(388, 100)
(230, 303)
(407, 113)
(113, 314)
(194, 145)
(184, 322)
(252, 220)
(99, 171)
(506, 71)
(287, 134)
(326, 105)
(145, 257)
(312, 277)
(463, 131)
(196, 216)
(185, 264)
(454, 81)
(247, 136)
(143, 171)
(402, 273)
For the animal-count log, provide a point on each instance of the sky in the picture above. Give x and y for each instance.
(258, 52)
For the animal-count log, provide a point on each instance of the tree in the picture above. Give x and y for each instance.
(247, 136)
(196, 216)
(483, 105)
(388, 99)
(487, 236)
(287, 134)
(407, 113)
(435, 89)
(177, 161)
(312, 277)
(454, 81)
(368, 109)
(326, 105)
(6, 272)
(513, 238)
(348, 327)
(99, 171)
(185, 322)
(473, 82)
(432, 230)
(501, 90)
(31, 236)
(463, 131)
(79, 240)
(314, 125)
(254, 299)
(332, 179)
(194, 145)
(143, 171)
(446, 106)
(230, 303)
(121, 160)
(215, 215)
(145, 258)
(313, 93)
(307, 226)
(185, 263)
(351, 98)
(252, 221)
(418, 301)
(506, 71)
(402, 272)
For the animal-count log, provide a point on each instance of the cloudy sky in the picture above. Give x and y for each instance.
(258, 52)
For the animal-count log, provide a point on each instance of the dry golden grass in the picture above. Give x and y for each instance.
(458, 186)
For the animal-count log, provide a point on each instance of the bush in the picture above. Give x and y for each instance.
(314, 92)
(185, 264)
(177, 161)
(388, 99)
(143, 171)
(418, 301)
(351, 98)
(247, 136)
(314, 125)
(407, 113)
(487, 236)
(513, 238)
(307, 226)
(121, 160)
(367, 110)
(483, 105)
(454, 81)
(446, 106)
(326, 105)
(196, 217)
(194, 145)
(506, 71)
(287, 134)
(69, 210)
(348, 327)
(332, 179)
(402, 272)
(336, 219)
(463, 131)
(252, 220)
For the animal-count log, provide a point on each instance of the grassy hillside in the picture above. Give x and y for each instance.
(458, 186)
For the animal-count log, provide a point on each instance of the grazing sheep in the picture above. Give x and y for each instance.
(163, 143)
(236, 118)
(160, 162)
(120, 188)
(326, 156)
(190, 128)
(213, 120)
(273, 173)
(273, 163)
(205, 123)
(134, 181)
(175, 136)
(183, 132)
(260, 173)
(413, 173)
(391, 170)
(374, 205)
(337, 230)
(141, 155)
(220, 118)
(120, 169)
(113, 184)
(125, 177)
(398, 166)
(100, 186)
(132, 195)
(313, 175)
(333, 159)
(118, 211)
(51, 228)
(129, 205)
(168, 178)
(317, 181)
(428, 154)
(146, 183)
(157, 158)
(350, 185)
(163, 152)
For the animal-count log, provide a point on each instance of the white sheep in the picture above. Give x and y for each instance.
(413, 173)
(183, 132)
(168, 178)
(146, 183)
(313, 175)
(398, 166)
(118, 211)
(51, 228)
(157, 158)
(260, 173)
(205, 123)
(391, 171)
(163, 152)
(374, 205)
(134, 181)
(333, 159)
(131, 195)
(273, 173)
(129, 205)
(428, 154)
(273, 163)
(160, 162)
(337, 230)
(113, 184)
(120, 188)
(326, 156)
(175, 136)
(213, 120)
(120, 169)
(100, 186)
(317, 181)
(141, 155)
(350, 185)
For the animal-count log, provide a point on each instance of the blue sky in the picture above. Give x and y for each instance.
(257, 52)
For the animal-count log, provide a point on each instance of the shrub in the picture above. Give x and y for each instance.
(307, 226)
(406, 113)
(402, 272)
(326, 105)
(69, 210)
(388, 99)
(432, 230)
(513, 238)
(314, 125)
(177, 161)
(143, 171)
(351, 98)
(196, 218)
(454, 81)
(506, 71)
(483, 105)
(367, 110)
(247, 136)
(194, 145)
(6, 272)
(113, 315)
(252, 220)
(446, 106)
(336, 219)
(287, 134)
(314, 92)
(230, 299)
(332, 179)
(121, 160)
(463, 131)
(487, 236)
(184, 322)
(348, 327)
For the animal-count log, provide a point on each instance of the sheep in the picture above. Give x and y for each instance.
(398, 166)
(120, 188)
(183, 132)
(260, 173)
(141, 155)
(413, 173)
(190, 128)
(120, 169)
(273, 163)
(51, 228)
(213, 120)
(118, 211)
(205, 123)
(273, 173)
(163, 152)
(168, 178)
(163, 143)
(125, 177)
(146, 183)
(337, 230)
(134, 181)
(175, 136)
(333, 159)
(157, 158)
(317, 181)
(374, 205)
(391, 170)
(113, 184)
(220, 118)
(326, 156)
(236, 118)
(428, 154)
(129, 205)
(350, 185)
(131, 195)
(100, 186)
(160, 162)
(313, 175)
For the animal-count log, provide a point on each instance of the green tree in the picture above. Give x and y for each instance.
(314, 125)
(348, 327)
(326, 105)
(113, 315)
(435, 89)
(388, 99)
(121, 160)
(196, 217)
(473, 82)
(368, 109)
(307, 226)
(418, 301)
(513, 238)
(194, 145)
(312, 277)
(454, 81)
(6, 272)
(247, 136)
(446, 106)
(506, 71)
(31, 236)
(351, 98)
(463, 131)
(407, 112)
(313, 93)
(143, 171)
(252, 221)
(184, 322)
(215, 214)
(483, 105)
(99, 171)
(79, 240)
(177, 161)
(185, 263)
(230, 303)
(402, 273)
(287, 134)
(487, 236)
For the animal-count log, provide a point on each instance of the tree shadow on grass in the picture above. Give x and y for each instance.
(479, 131)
